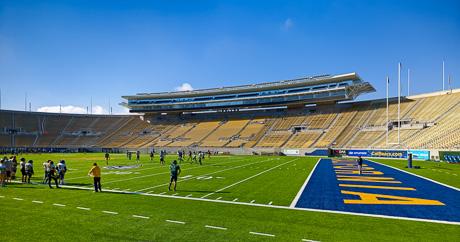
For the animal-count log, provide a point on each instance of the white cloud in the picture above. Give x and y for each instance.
(184, 87)
(72, 109)
(287, 24)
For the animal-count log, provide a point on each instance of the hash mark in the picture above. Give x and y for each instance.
(214, 227)
(177, 222)
(271, 235)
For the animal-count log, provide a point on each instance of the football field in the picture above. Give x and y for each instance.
(228, 198)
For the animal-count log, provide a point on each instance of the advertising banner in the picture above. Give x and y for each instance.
(421, 155)
(388, 153)
(291, 152)
(357, 152)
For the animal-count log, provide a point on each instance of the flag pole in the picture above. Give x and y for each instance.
(399, 99)
(388, 82)
(443, 75)
(408, 81)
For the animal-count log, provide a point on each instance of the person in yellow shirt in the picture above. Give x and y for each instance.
(95, 172)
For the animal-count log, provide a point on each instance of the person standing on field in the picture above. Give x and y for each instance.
(360, 164)
(52, 174)
(107, 157)
(175, 172)
(151, 156)
(138, 156)
(95, 172)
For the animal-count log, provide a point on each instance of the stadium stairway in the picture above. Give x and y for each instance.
(259, 136)
(364, 123)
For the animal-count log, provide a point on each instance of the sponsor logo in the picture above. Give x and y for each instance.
(357, 152)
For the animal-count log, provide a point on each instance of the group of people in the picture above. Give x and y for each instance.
(54, 172)
(9, 167)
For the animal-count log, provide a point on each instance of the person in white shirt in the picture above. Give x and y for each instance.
(29, 170)
(62, 169)
(23, 169)
(45, 166)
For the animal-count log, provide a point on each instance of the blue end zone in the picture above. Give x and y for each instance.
(334, 185)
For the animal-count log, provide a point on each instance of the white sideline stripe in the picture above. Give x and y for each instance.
(195, 177)
(296, 199)
(310, 240)
(156, 174)
(214, 227)
(458, 189)
(60, 205)
(236, 183)
(37, 201)
(271, 235)
(177, 222)
(19, 199)
(84, 208)
(109, 212)
(137, 216)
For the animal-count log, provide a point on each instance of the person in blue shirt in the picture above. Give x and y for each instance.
(175, 172)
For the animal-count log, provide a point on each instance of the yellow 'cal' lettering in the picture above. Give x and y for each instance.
(369, 198)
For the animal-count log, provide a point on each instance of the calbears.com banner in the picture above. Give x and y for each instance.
(378, 153)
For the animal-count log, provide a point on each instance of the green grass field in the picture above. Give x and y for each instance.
(247, 200)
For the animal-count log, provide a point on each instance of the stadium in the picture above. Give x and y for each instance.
(258, 134)
(218, 120)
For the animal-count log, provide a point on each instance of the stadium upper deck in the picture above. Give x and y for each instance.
(308, 90)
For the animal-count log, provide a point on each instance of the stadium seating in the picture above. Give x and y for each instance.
(24, 140)
(428, 122)
(302, 139)
(336, 128)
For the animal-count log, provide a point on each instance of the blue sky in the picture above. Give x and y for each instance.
(65, 52)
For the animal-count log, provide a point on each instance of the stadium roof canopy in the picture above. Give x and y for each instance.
(301, 91)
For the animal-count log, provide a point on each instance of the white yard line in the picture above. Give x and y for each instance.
(234, 200)
(189, 195)
(310, 240)
(458, 189)
(137, 216)
(2, 196)
(19, 199)
(60, 205)
(252, 201)
(296, 199)
(195, 177)
(37, 201)
(236, 183)
(271, 235)
(214, 227)
(177, 222)
(82, 208)
(218, 198)
(270, 203)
